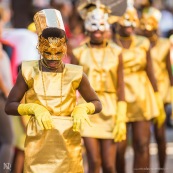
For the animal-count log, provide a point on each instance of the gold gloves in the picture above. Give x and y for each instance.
(41, 114)
(119, 131)
(80, 114)
(160, 119)
(172, 101)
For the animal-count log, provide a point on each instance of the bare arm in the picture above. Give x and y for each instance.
(74, 59)
(89, 94)
(3, 88)
(16, 95)
(168, 65)
(120, 89)
(150, 72)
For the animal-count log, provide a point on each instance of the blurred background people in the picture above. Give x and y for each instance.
(6, 128)
(160, 54)
(102, 62)
(141, 93)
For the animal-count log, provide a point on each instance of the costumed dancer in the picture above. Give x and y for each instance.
(141, 93)
(102, 62)
(53, 141)
(160, 54)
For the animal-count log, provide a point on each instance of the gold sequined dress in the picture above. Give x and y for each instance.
(159, 55)
(139, 93)
(57, 150)
(100, 65)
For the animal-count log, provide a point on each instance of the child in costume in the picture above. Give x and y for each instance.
(160, 54)
(102, 62)
(141, 93)
(53, 141)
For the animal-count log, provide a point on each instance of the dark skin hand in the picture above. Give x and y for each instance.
(19, 89)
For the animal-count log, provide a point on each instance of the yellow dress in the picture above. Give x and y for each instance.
(57, 150)
(100, 65)
(159, 54)
(139, 93)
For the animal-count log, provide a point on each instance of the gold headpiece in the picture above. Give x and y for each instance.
(150, 19)
(52, 48)
(130, 17)
(48, 18)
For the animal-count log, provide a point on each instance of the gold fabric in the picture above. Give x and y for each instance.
(72, 76)
(141, 103)
(159, 54)
(53, 151)
(59, 149)
(48, 18)
(101, 69)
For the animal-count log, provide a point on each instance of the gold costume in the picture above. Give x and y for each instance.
(159, 55)
(100, 65)
(57, 150)
(141, 103)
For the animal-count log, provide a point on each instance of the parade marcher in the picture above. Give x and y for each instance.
(102, 62)
(160, 54)
(53, 141)
(141, 94)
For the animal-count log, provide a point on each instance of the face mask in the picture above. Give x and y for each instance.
(52, 48)
(96, 20)
(129, 19)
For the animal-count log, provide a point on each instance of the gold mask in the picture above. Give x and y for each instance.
(52, 48)
(130, 18)
(150, 19)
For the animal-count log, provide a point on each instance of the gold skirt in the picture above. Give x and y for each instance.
(53, 151)
(103, 122)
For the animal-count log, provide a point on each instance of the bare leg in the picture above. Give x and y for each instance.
(141, 140)
(108, 153)
(161, 144)
(120, 157)
(92, 146)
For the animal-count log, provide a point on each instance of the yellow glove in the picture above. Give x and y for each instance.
(80, 114)
(172, 102)
(160, 119)
(41, 114)
(119, 130)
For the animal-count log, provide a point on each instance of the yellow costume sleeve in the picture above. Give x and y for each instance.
(80, 114)
(119, 131)
(160, 119)
(41, 114)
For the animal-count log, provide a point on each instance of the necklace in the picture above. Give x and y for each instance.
(118, 40)
(99, 67)
(93, 57)
(46, 66)
(44, 89)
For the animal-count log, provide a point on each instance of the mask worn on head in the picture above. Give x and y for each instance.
(130, 18)
(150, 19)
(96, 20)
(52, 48)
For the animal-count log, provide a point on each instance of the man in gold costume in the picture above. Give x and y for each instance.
(141, 93)
(160, 54)
(102, 62)
(53, 142)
